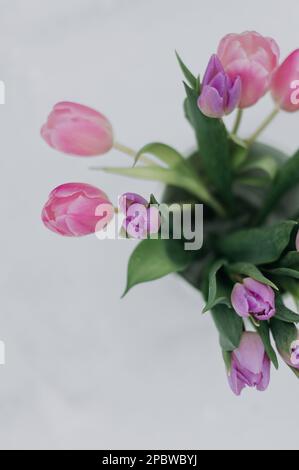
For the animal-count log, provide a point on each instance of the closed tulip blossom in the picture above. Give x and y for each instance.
(78, 130)
(250, 365)
(253, 298)
(292, 358)
(77, 209)
(220, 95)
(141, 219)
(253, 58)
(285, 83)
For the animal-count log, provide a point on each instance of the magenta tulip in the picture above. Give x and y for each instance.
(250, 365)
(253, 298)
(77, 130)
(141, 219)
(285, 83)
(219, 95)
(253, 58)
(77, 209)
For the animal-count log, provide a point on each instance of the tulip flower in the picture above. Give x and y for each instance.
(250, 365)
(141, 219)
(77, 209)
(285, 83)
(253, 58)
(77, 130)
(292, 358)
(253, 298)
(220, 95)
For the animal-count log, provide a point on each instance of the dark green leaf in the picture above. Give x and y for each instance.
(191, 79)
(284, 313)
(213, 299)
(229, 325)
(290, 260)
(212, 139)
(264, 332)
(257, 245)
(152, 260)
(252, 271)
(283, 333)
(285, 272)
(266, 164)
(287, 177)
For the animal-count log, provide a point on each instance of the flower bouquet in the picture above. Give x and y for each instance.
(243, 254)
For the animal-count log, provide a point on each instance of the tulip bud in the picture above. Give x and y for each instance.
(253, 58)
(253, 298)
(292, 358)
(250, 365)
(220, 95)
(285, 83)
(141, 219)
(77, 130)
(73, 210)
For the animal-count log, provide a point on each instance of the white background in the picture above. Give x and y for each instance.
(84, 368)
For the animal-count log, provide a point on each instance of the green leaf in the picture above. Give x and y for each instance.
(191, 79)
(287, 177)
(284, 313)
(283, 333)
(213, 300)
(290, 260)
(212, 139)
(266, 164)
(296, 371)
(257, 245)
(264, 332)
(252, 271)
(227, 357)
(285, 272)
(180, 176)
(229, 325)
(152, 259)
(163, 152)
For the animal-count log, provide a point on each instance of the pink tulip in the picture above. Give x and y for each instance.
(77, 209)
(250, 365)
(285, 83)
(253, 298)
(253, 58)
(78, 130)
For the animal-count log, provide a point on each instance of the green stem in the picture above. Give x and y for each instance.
(237, 121)
(263, 126)
(132, 153)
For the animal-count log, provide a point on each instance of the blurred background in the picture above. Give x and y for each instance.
(85, 369)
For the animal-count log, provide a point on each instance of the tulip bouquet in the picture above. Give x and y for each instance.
(249, 260)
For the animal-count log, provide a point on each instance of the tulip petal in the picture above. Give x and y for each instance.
(239, 300)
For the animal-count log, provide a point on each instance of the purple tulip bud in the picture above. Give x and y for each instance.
(253, 298)
(292, 359)
(295, 354)
(250, 365)
(141, 219)
(220, 95)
